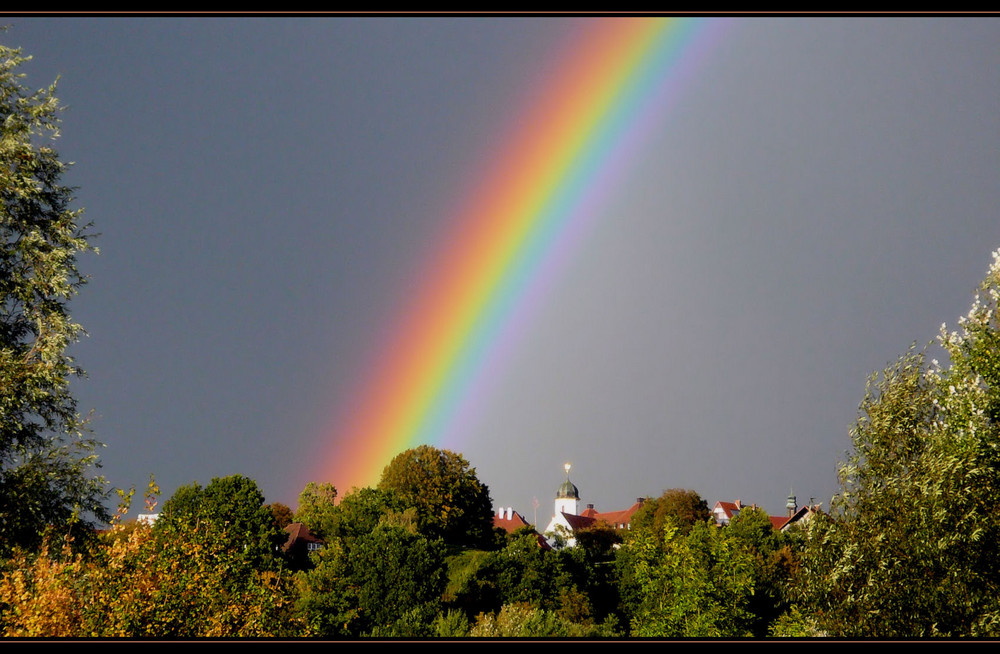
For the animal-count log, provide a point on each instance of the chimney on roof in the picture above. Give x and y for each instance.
(590, 506)
(510, 513)
(739, 505)
(640, 500)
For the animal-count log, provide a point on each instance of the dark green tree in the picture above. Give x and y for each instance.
(591, 567)
(317, 503)
(46, 462)
(698, 585)
(471, 586)
(233, 505)
(775, 560)
(450, 500)
(363, 509)
(685, 508)
(524, 572)
(387, 582)
(401, 577)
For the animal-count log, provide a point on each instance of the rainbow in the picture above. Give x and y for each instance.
(510, 237)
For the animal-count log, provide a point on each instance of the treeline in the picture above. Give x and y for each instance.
(415, 556)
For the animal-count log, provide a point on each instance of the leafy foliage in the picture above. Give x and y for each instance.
(231, 505)
(282, 514)
(775, 556)
(317, 503)
(525, 573)
(450, 500)
(46, 463)
(387, 582)
(522, 620)
(910, 549)
(471, 585)
(685, 508)
(191, 583)
(362, 510)
(697, 585)
(593, 595)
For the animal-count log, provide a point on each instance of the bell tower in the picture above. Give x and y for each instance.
(567, 497)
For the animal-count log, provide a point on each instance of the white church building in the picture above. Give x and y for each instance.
(567, 517)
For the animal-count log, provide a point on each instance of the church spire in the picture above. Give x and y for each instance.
(568, 496)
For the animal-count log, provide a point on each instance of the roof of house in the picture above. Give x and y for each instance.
(299, 533)
(778, 521)
(512, 524)
(616, 518)
(729, 509)
(578, 521)
(515, 522)
(802, 514)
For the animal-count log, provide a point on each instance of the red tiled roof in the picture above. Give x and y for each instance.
(778, 521)
(578, 521)
(516, 522)
(729, 508)
(617, 518)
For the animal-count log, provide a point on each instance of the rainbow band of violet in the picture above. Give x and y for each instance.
(512, 236)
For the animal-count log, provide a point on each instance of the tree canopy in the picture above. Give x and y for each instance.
(317, 504)
(46, 462)
(685, 507)
(450, 500)
(233, 505)
(388, 581)
(910, 547)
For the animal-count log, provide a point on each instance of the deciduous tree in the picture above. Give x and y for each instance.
(698, 585)
(46, 461)
(134, 584)
(282, 514)
(387, 582)
(685, 508)
(910, 547)
(234, 505)
(317, 503)
(450, 500)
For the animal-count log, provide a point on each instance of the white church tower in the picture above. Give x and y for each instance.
(559, 533)
(567, 497)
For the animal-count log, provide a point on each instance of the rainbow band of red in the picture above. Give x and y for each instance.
(536, 198)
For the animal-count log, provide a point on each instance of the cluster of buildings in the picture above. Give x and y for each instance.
(567, 518)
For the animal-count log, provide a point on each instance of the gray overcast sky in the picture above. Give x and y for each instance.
(823, 193)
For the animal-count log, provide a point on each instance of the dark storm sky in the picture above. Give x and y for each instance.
(822, 195)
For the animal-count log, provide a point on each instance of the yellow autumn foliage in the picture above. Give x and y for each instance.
(137, 585)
